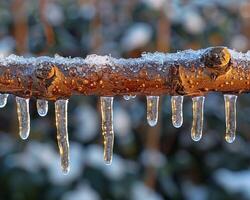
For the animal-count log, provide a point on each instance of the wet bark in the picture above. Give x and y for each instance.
(191, 73)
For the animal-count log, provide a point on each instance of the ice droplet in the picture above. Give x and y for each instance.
(152, 110)
(197, 125)
(230, 112)
(128, 97)
(177, 113)
(61, 109)
(3, 100)
(23, 117)
(42, 107)
(107, 127)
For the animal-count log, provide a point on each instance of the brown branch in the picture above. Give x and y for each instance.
(183, 73)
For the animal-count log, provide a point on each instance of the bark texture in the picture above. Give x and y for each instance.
(183, 73)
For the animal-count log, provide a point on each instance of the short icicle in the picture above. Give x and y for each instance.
(177, 113)
(42, 107)
(107, 127)
(152, 110)
(197, 125)
(3, 100)
(23, 117)
(128, 97)
(61, 107)
(230, 112)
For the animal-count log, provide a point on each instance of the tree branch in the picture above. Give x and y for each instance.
(183, 73)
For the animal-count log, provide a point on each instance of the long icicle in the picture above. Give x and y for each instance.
(177, 113)
(61, 109)
(42, 107)
(197, 125)
(152, 110)
(107, 127)
(230, 112)
(3, 100)
(23, 117)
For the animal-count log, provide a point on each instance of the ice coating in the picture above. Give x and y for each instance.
(197, 125)
(230, 113)
(152, 110)
(23, 117)
(107, 127)
(96, 60)
(42, 107)
(3, 100)
(61, 112)
(177, 111)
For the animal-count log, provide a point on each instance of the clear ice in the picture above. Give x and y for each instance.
(42, 107)
(3, 100)
(61, 109)
(107, 127)
(128, 97)
(152, 110)
(230, 112)
(197, 125)
(177, 113)
(23, 117)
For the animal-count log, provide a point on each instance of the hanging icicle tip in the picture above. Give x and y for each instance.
(197, 125)
(107, 127)
(3, 100)
(177, 111)
(152, 110)
(61, 109)
(42, 107)
(230, 114)
(23, 117)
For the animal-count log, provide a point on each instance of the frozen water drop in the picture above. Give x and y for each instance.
(3, 100)
(152, 110)
(61, 109)
(177, 113)
(42, 107)
(107, 127)
(23, 117)
(128, 97)
(197, 125)
(230, 112)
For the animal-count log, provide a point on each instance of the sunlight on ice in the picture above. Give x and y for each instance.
(177, 111)
(107, 127)
(23, 117)
(152, 110)
(42, 107)
(230, 112)
(197, 125)
(3, 100)
(61, 109)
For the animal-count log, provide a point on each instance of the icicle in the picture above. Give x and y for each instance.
(61, 107)
(23, 117)
(107, 127)
(230, 112)
(152, 110)
(42, 107)
(177, 114)
(3, 100)
(197, 125)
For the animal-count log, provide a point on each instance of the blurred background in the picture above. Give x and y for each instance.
(149, 163)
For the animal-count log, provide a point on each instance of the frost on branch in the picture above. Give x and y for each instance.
(186, 73)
